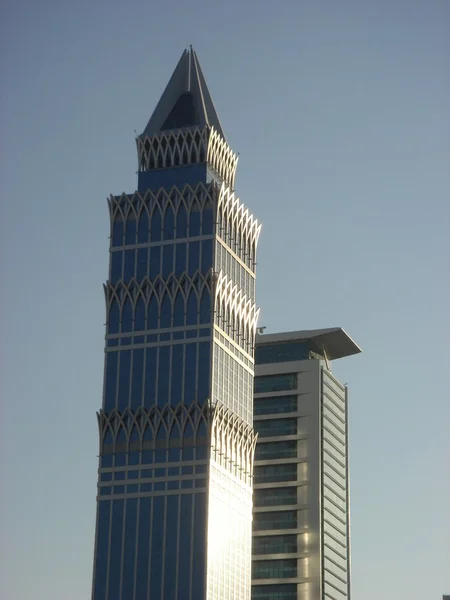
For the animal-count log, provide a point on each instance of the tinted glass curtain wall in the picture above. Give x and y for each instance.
(174, 503)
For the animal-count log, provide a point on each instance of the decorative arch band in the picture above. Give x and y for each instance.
(232, 441)
(182, 147)
(236, 314)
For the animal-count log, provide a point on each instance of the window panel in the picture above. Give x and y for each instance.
(155, 261)
(274, 569)
(129, 260)
(275, 544)
(142, 263)
(137, 379)
(143, 228)
(115, 559)
(274, 592)
(281, 352)
(129, 548)
(130, 233)
(276, 427)
(116, 266)
(194, 257)
(117, 233)
(275, 496)
(275, 405)
(270, 473)
(168, 253)
(124, 379)
(155, 226)
(101, 558)
(169, 224)
(112, 360)
(157, 546)
(275, 383)
(273, 450)
(275, 520)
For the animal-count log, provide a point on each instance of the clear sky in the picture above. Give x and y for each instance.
(341, 114)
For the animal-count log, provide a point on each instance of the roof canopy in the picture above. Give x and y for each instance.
(334, 341)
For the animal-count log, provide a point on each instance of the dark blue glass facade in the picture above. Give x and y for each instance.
(176, 438)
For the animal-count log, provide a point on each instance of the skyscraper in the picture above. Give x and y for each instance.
(301, 548)
(174, 503)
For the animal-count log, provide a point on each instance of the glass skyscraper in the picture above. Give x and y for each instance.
(174, 504)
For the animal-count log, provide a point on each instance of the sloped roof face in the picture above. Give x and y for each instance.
(186, 101)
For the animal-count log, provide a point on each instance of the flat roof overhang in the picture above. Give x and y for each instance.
(333, 342)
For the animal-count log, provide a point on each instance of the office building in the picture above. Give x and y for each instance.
(174, 504)
(301, 543)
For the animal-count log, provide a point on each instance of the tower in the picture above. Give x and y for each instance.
(176, 440)
(301, 520)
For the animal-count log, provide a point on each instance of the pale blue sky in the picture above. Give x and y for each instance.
(341, 114)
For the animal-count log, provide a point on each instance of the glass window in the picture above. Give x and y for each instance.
(199, 546)
(142, 267)
(101, 558)
(180, 259)
(275, 520)
(166, 311)
(190, 373)
(281, 352)
(137, 378)
(276, 427)
(155, 261)
(117, 233)
(157, 545)
(163, 376)
(275, 405)
(129, 547)
(139, 318)
(116, 549)
(207, 225)
(205, 307)
(194, 257)
(192, 309)
(275, 496)
(272, 450)
(207, 255)
(111, 380)
(274, 592)
(116, 266)
(275, 544)
(130, 233)
(114, 318)
(169, 225)
(194, 220)
(185, 542)
(177, 379)
(270, 473)
(274, 569)
(143, 228)
(155, 227)
(181, 221)
(171, 537)
(168, 252)
(150, 377)
(275, 383)
(203, 371)
(128, 270)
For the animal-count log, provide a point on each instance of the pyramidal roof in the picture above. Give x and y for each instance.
(186, 101)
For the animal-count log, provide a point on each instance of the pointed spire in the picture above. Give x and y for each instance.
(186, 101)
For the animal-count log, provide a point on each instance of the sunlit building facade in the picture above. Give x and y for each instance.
(174, 504)
(301, 543)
